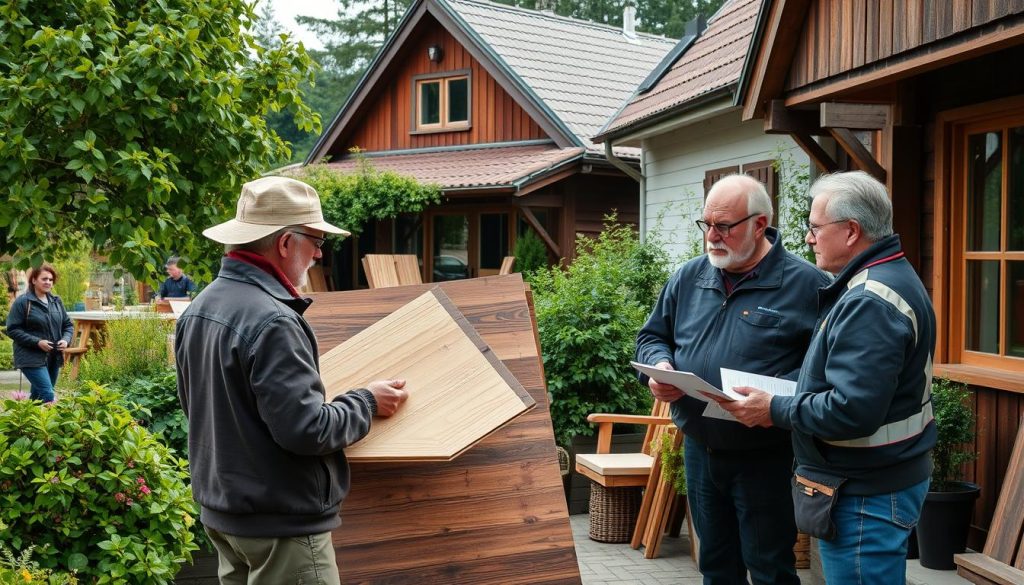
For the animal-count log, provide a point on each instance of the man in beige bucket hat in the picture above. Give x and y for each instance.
(265, 449)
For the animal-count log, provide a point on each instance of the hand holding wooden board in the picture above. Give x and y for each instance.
(459, 391)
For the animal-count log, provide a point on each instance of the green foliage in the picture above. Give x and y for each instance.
(954, 426)
(21, 569)
(74, 267)
(794, 206)
(531, 254)
(661, 17)
(136, 347)
(131, 124)
(350, 200)
(6, 353)
(92, 490)
(672, 467)
(152, 399)
(587, 318)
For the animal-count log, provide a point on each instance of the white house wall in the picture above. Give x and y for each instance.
(675, 164)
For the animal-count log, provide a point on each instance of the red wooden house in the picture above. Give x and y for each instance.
(928, 96)
(495, 104)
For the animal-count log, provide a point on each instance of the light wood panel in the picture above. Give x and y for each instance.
(458, 390)
(497, 513)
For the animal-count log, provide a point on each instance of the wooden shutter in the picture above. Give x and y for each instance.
(712, 176)
(764, 171)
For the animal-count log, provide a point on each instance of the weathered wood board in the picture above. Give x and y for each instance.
(495, 514)
(459, 391)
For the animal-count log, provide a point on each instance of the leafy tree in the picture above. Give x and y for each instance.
(660, 17)
(133, 124)
(530, 252)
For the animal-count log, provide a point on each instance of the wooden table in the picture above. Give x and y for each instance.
(90, 331)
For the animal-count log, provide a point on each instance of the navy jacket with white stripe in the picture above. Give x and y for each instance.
(862, 408)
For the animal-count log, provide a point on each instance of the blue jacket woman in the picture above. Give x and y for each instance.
(41, 330)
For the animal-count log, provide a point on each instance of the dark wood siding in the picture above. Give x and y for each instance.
(998, 420)
(841, 35)
(386, 122)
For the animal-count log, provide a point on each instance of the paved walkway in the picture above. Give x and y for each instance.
(618, 564)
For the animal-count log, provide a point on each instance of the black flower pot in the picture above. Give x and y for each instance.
(945, 519)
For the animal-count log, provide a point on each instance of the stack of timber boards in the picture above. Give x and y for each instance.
(494, 514)
(459, 391)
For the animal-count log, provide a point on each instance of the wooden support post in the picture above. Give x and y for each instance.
(543, 233)
(817, 154)
(860, 155)
(854, 116)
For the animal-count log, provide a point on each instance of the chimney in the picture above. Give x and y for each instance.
(629, 19)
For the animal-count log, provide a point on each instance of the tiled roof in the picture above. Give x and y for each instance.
(506, 166)
(581, 70)
(713, 62)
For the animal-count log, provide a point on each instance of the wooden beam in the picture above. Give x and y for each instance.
(860, 155)
(854, 116)
(543, 233)
(814, 150)
(780, 120)
(783, 26)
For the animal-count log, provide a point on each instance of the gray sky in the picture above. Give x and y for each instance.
(287, 10)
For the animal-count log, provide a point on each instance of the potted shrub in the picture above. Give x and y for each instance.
(946, 517)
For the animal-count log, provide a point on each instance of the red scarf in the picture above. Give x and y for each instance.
(263, 264)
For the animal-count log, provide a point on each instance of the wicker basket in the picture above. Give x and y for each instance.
(613, 512)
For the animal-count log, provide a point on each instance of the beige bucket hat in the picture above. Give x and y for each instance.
(269, 204)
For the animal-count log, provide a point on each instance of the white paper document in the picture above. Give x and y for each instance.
(774, 386)
(695, 386)
(688, 382)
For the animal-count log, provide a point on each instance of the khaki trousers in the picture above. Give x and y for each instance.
(298, 560)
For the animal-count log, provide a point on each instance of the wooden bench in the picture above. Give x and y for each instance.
(1002, 560)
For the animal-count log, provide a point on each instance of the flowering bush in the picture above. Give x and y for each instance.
(92, 490)
(21, 569)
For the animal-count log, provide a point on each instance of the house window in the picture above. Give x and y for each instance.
(987, 247)
(763, 171)
(442, 102)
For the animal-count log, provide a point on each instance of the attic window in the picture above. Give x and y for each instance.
(442, 102)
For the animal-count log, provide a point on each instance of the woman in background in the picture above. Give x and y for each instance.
(41, 330)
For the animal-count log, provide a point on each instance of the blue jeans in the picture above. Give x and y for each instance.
(42, 379)
(871, 545)
(742, 511)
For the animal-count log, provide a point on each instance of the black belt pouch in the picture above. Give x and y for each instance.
(812, 504)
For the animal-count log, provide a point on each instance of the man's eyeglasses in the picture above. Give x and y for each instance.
(814, 229)
(318, 242)
(722, 228)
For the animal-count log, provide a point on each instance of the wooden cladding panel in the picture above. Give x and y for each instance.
(497, 513)
(842, 35)
(387, 121)
(999, 417)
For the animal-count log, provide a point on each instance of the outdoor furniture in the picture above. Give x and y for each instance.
(90, 332)
(387, 270)
(506, 265)
(1001, 562)
(618, 479)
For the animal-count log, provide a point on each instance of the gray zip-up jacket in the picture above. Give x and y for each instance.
(763, 327)
(265, 450)
(862, 409)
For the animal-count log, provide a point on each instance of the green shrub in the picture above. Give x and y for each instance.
(531, 254)
(93, 490)
(135, 347)
(21, 569)
(74, 271)
(954, 424)
(6, 353)
(152, 399)
(673, 467)
(588, 315)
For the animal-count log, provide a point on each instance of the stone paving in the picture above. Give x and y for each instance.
(618, 564)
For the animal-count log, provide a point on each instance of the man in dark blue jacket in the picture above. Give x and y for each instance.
(749, 305)
(862, 415)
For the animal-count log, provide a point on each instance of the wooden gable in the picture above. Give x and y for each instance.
(385, 121)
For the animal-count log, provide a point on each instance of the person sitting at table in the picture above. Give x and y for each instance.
(178, 284)
(41, 329)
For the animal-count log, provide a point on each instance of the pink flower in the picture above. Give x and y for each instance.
(129, 502)
(19, 395)
(55, 480)
(141, 480)
(119, 497)
(145, 489)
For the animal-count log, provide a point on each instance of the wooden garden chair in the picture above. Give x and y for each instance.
(631, 471)
(1001, 562)
(506, 265)
(381, 271)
